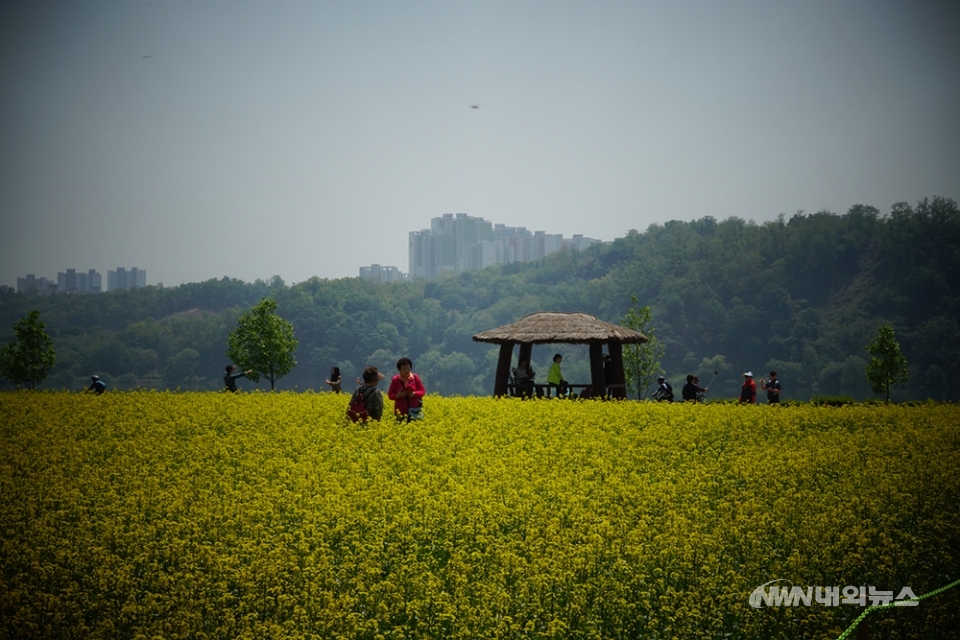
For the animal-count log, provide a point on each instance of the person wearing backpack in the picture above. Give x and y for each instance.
(664, 392)
(98, 386)
(407, 391)
(367, 400)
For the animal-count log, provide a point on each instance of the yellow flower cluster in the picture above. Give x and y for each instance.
(212, 515)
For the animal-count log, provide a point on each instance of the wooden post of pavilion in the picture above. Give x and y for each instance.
(503, 369)
(619, 379)
(526, 352)
(596, 370)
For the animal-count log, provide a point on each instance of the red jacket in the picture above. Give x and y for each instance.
(748, 392)
(401, 405)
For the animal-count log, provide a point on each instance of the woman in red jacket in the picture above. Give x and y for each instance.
(407, 391)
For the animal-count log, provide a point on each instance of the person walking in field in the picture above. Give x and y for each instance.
(407, 391)
(230, 378)
(692, 390)
(772, 387)
(664, 392)
(97, 385)
(367, 399)
(335, 380)
(748, 392)
(701, 391)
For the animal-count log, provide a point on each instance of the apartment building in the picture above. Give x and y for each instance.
(379, 273)
(455, 243)
(126, 280)
(70, 281)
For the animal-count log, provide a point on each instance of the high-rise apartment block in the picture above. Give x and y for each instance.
(455, 243)
(126, 280)
(73, 282)
(379, 273)
(39, 286)
(69, 281)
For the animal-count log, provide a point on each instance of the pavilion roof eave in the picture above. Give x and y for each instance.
(521, 340)
(557, 327)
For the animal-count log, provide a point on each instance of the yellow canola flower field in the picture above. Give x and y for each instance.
(210, 515)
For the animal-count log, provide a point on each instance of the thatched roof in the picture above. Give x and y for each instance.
(547, 327)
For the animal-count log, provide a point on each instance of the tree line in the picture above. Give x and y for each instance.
(804, 295)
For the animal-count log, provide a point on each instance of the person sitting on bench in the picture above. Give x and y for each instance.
(555, 378)
(523, 375)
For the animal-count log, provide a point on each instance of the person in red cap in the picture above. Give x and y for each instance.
(748, 392)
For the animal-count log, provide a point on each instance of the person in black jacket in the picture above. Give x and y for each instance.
(692, 390)
(230, 378)
(772, 387)
(98, 386)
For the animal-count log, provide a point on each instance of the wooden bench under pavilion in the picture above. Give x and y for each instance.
(569, 328)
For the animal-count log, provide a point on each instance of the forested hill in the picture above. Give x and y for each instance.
(803, 295)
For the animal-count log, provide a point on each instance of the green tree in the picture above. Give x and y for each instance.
(181, 366)
(264, 343)
(641, 362)
(887, 366)
(30, 356)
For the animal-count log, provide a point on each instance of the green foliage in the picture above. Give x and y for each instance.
(801, 294)
(447, 374)
(887, 366)
(641, 362)
(832, 401)
(30, 356)
(182, 366)
(155, 515)
(264, 343)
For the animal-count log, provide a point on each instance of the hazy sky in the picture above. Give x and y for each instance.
(197, 139)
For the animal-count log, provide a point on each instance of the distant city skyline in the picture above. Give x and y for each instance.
(89, 281)
(459, 242)
(298, 139)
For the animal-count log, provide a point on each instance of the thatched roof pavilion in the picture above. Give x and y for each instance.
(570, 328)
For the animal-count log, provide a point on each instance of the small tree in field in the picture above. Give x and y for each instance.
(887, 366)
(30, 356)
(263, 343)
(641, 362)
